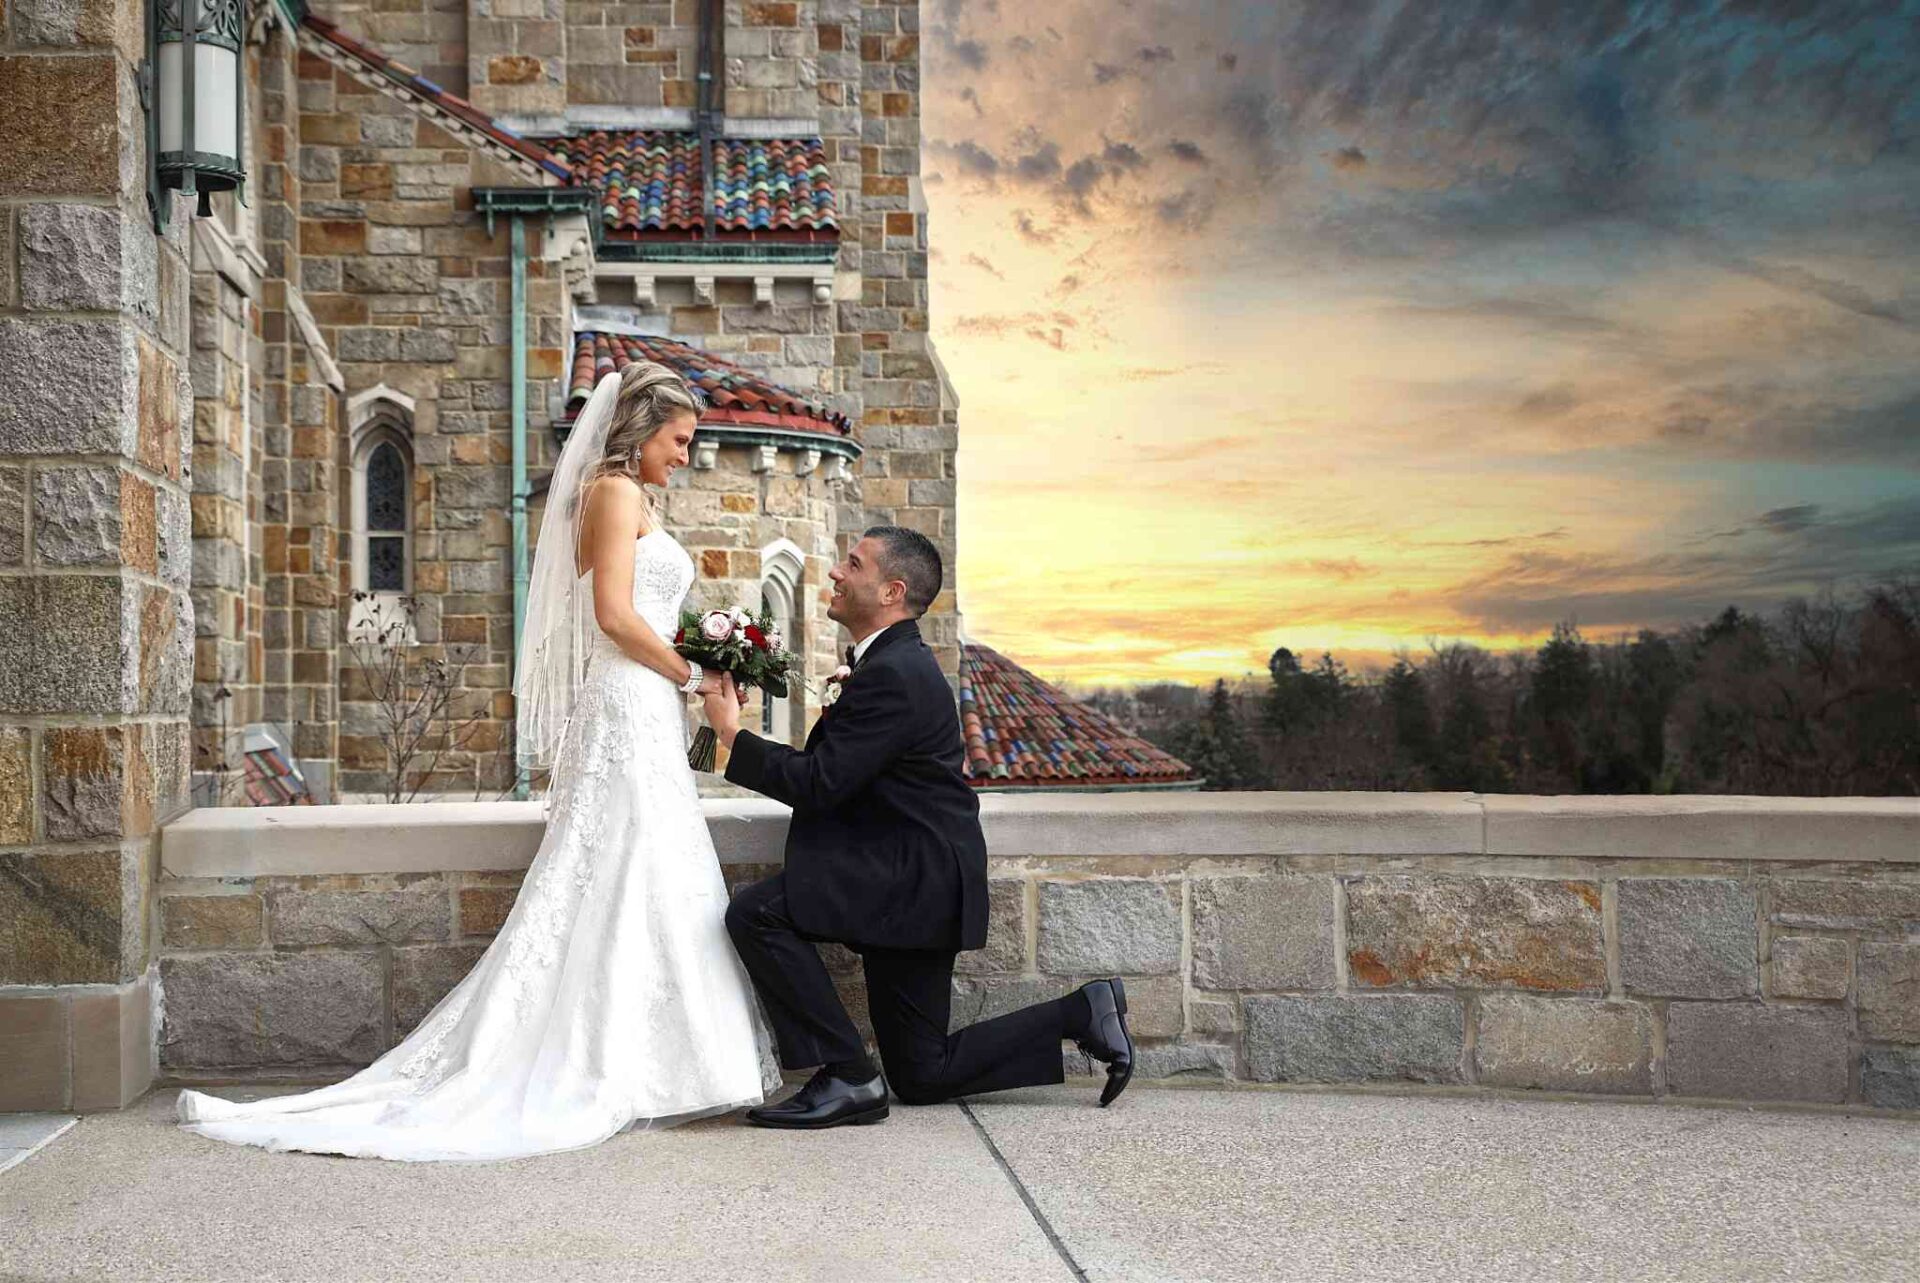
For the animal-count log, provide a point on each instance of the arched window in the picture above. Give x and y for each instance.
(383, 511)
(381, 517)
(782, 568)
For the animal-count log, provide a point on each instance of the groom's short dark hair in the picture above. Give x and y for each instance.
(910, 557)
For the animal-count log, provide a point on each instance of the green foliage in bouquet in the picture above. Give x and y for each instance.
(742, 642)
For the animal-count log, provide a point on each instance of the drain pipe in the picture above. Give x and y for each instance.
(518, 204)
(520, 568)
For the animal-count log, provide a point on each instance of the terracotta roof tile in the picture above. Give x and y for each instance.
(649, 183)
(1021, 731)
(734, 395)
(432, 95)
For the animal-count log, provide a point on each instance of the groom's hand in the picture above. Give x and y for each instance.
(723, 710)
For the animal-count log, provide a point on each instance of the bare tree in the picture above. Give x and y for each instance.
(423, 708)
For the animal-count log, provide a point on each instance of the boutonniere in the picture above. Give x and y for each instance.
(835, 681)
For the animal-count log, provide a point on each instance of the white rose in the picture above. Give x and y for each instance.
(829, 695)
(716, 626)
(738, 615)
(773, 641)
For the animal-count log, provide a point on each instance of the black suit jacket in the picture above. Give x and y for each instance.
(885, 847)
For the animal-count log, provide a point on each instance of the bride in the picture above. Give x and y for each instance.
(611, 998)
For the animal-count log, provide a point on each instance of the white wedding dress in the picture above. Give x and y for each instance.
(611, 998)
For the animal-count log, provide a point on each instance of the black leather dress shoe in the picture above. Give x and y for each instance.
(1110, 1042)
(826, 1101)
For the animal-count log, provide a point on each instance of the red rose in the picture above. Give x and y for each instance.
(679, 636)
(757, 637)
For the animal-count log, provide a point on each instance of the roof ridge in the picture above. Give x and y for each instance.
(735, 393)
(425, 92)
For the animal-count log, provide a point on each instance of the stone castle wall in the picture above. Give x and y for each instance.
(1726, 949)
(96, 627)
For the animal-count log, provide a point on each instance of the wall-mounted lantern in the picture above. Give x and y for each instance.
(194, 90)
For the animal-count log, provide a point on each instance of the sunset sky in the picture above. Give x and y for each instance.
(1349, 325)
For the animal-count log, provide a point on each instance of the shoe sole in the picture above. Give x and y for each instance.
(1111, 1092)
(864, 1119)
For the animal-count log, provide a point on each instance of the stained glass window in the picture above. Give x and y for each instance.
(386, 563)
(386, 490)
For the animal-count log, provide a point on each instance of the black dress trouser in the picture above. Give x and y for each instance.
(909, 996)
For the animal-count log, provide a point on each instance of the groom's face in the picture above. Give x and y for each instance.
(861, 589)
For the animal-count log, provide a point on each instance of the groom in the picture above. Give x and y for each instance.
(885, 855)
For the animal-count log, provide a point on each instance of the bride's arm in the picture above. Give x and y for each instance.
(616, 512)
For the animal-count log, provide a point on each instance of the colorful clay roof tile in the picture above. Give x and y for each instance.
(650, 184)
(735, 395)
(1023, 732)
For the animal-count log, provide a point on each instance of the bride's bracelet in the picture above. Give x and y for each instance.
(695, 676)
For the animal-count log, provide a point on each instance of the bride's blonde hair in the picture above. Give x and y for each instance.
(651, 396)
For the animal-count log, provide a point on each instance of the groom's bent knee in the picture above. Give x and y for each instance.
(750, 910)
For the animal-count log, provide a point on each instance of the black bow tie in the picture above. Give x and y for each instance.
(850, 651)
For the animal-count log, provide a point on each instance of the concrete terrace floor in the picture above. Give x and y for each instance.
(1174, 1183)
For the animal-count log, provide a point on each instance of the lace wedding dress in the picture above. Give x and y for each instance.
(610, 999)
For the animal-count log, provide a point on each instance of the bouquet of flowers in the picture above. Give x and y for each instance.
(742, 642)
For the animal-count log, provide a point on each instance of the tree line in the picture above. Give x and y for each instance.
(1821, 698)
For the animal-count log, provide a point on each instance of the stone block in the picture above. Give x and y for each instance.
(76, 516)
(1889, 991)
(85, 776)
(1213, 1018)
(273, 1010)
(16, 786)
(13, 515)
(71, 258)
(1689, 937)
(212, 922)
(1113, 926)
(33, 1053)
(79, 23)
(1565, 1044)
(1445, 932)
(1809, 967)
(63, 124)
(415, 914)
(423, 976)
(64, 385)
(61, 918)
(1263, 932)
(484, 910)
(1890, 1077)
(1156, 1006)
(112, 1047)
(1181, 1060)
(1744, 1051)
(1863, 905)
(1006, 947)
(390, 275)
(1342, 1038)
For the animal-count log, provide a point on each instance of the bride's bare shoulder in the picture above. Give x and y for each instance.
(615, 501)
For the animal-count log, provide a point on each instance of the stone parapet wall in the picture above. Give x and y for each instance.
(1725, 949)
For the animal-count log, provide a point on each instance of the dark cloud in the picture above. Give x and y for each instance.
(1066, 285)
(1227, 61)
(1123, 156)
(1022, 44)
(1190, 209)
(1156, 53)
(1104, 74)
(972, 159)
(971, 97)
(1191, 152)
(1348, 158)
(1787, 521)
(1042, 164)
